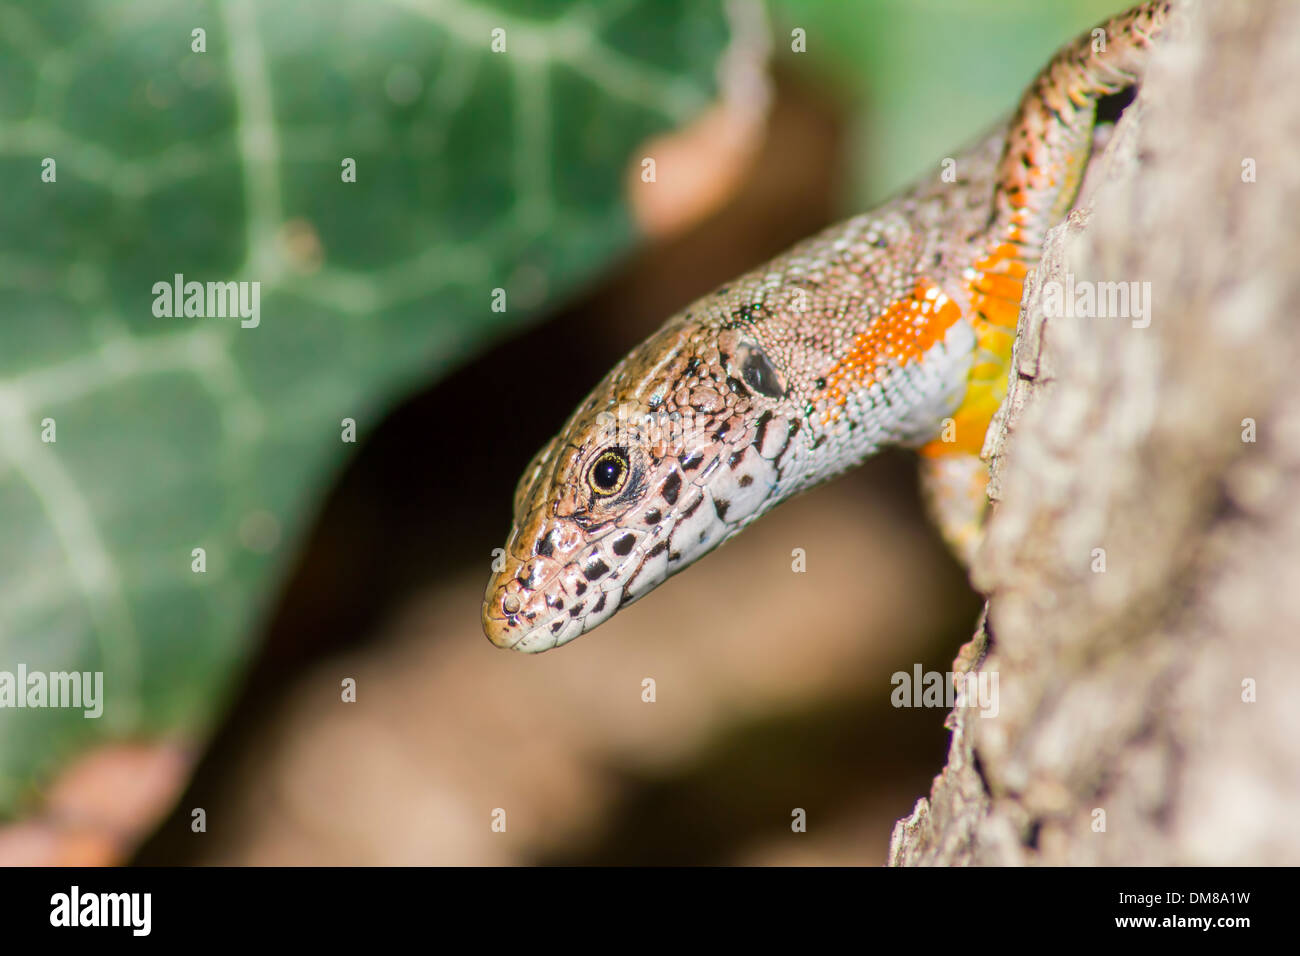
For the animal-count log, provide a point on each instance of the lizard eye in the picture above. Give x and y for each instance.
(608, 473)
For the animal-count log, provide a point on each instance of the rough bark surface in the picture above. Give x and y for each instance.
(1144, 703)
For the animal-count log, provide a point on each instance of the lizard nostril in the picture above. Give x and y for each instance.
(510, 604)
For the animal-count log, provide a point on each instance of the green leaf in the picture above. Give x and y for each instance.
(475, 171)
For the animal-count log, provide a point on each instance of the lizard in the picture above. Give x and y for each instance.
(893, 328)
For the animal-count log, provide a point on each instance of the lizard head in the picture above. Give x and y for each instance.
(783, 378)
(678, 448)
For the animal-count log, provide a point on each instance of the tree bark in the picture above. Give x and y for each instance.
(1142, 561)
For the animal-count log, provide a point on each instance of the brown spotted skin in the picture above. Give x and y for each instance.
(893, 328)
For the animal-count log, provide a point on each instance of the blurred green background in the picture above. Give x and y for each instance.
(475, 171)
(928, 76)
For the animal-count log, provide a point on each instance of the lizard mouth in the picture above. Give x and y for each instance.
(518, 618)
(544, 601)
(529, 637)
(559, 581)
(536, 604)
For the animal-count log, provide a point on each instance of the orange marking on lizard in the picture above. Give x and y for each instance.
(903, 333)
(996, 283)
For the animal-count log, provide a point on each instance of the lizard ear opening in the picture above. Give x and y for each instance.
(758, 372)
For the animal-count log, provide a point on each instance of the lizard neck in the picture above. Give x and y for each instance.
(1036, 182)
